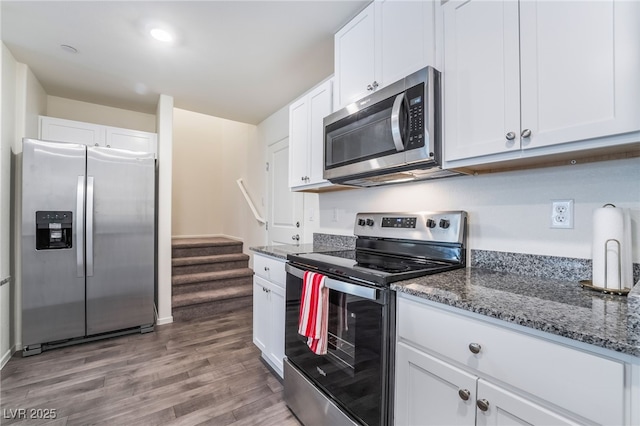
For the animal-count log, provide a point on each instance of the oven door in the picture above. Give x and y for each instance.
(356, 371)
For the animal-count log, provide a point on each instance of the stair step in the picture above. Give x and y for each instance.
(203, 310)
(210, 296)
(238, 280)
(211, 276)
(190, 247)
(200, 264)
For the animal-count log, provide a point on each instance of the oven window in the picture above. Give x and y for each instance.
(352, 370)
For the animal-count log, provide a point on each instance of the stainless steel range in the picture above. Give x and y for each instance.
(353, 382)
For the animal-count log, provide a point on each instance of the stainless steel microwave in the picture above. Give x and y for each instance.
(390, 136)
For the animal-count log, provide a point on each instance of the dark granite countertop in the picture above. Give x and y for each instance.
(281, 251)
(558, 307)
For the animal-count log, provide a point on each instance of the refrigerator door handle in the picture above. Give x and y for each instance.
(80, 226)
(89, 226)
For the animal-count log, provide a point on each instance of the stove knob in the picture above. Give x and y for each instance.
(361, 222)
(444, 223)
(431, 223)
(370, 222)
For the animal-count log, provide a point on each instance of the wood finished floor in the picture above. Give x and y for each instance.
(189, 373)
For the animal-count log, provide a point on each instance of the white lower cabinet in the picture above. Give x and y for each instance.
(456, 368)
(432, 392)
(269, 309)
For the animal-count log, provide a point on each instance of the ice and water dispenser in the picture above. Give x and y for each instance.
(53, 230)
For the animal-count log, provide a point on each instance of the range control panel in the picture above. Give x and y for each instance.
(444, 226)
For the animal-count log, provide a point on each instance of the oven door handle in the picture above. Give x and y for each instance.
(341, 286)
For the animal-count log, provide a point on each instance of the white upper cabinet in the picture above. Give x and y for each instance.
(385, 42)
(58, 129)
(133, 140)
(530, 78)
(355, 58)
(306, 138)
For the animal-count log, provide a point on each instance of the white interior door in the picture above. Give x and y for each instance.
(285, 212)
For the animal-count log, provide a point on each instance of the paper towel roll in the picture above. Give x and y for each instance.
(611, 225)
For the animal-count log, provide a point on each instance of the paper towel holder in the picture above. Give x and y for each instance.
(619, 291)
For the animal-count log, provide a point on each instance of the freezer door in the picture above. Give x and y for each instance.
(53, 292)
(120, 239)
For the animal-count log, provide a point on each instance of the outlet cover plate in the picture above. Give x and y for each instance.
(562, 214)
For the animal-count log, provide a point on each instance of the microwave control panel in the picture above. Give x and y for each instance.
(415, 96)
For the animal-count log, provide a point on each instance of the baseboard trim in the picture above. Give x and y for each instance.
(165, 320)
(7, 356)
(208, 236)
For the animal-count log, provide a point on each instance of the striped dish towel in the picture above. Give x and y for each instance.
(314, 308)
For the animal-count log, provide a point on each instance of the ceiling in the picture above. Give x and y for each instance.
(239, 60)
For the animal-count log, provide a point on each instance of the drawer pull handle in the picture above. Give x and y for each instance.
(482, 404)
(475, 348)
(464, 394)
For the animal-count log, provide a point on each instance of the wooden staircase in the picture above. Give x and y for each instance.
(209, 276)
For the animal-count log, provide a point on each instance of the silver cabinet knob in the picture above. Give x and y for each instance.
(510, 136)
(525, 133)
(296, 237)
(482, 404)
(266, 268)
(108, 146)
(369, 87)
(475, 348)
(375, 85)
(95, 144)
(464, 394)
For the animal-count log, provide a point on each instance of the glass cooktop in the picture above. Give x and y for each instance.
(377, 268)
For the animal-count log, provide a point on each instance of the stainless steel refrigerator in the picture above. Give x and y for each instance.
(88, 243)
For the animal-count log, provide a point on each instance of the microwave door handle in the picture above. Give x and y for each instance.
(395, 122)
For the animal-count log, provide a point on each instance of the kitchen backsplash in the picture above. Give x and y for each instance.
(340, 241)
(552, 267)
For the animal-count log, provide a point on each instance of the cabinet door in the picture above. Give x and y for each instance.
(508, 409)
(260, 313)
(355, 58)
(580, 68)
(298, 142)
(406, 33)
(275, 351)
(132, 140)
(481, 78)
(58, 129)
(320, 101)
(428, 391)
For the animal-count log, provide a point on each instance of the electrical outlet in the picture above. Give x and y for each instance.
(562, 214)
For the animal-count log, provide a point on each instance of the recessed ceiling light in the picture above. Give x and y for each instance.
(161, 34)
(68, 49)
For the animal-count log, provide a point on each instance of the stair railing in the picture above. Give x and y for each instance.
(250, 202)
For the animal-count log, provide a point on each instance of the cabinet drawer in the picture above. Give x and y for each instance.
(584, 383)
(270, 268)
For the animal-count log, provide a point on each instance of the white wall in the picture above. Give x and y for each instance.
(99, 114)
(209, 155)
(165, 149)
(23, 100)
(7, 133)
(508, 211)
